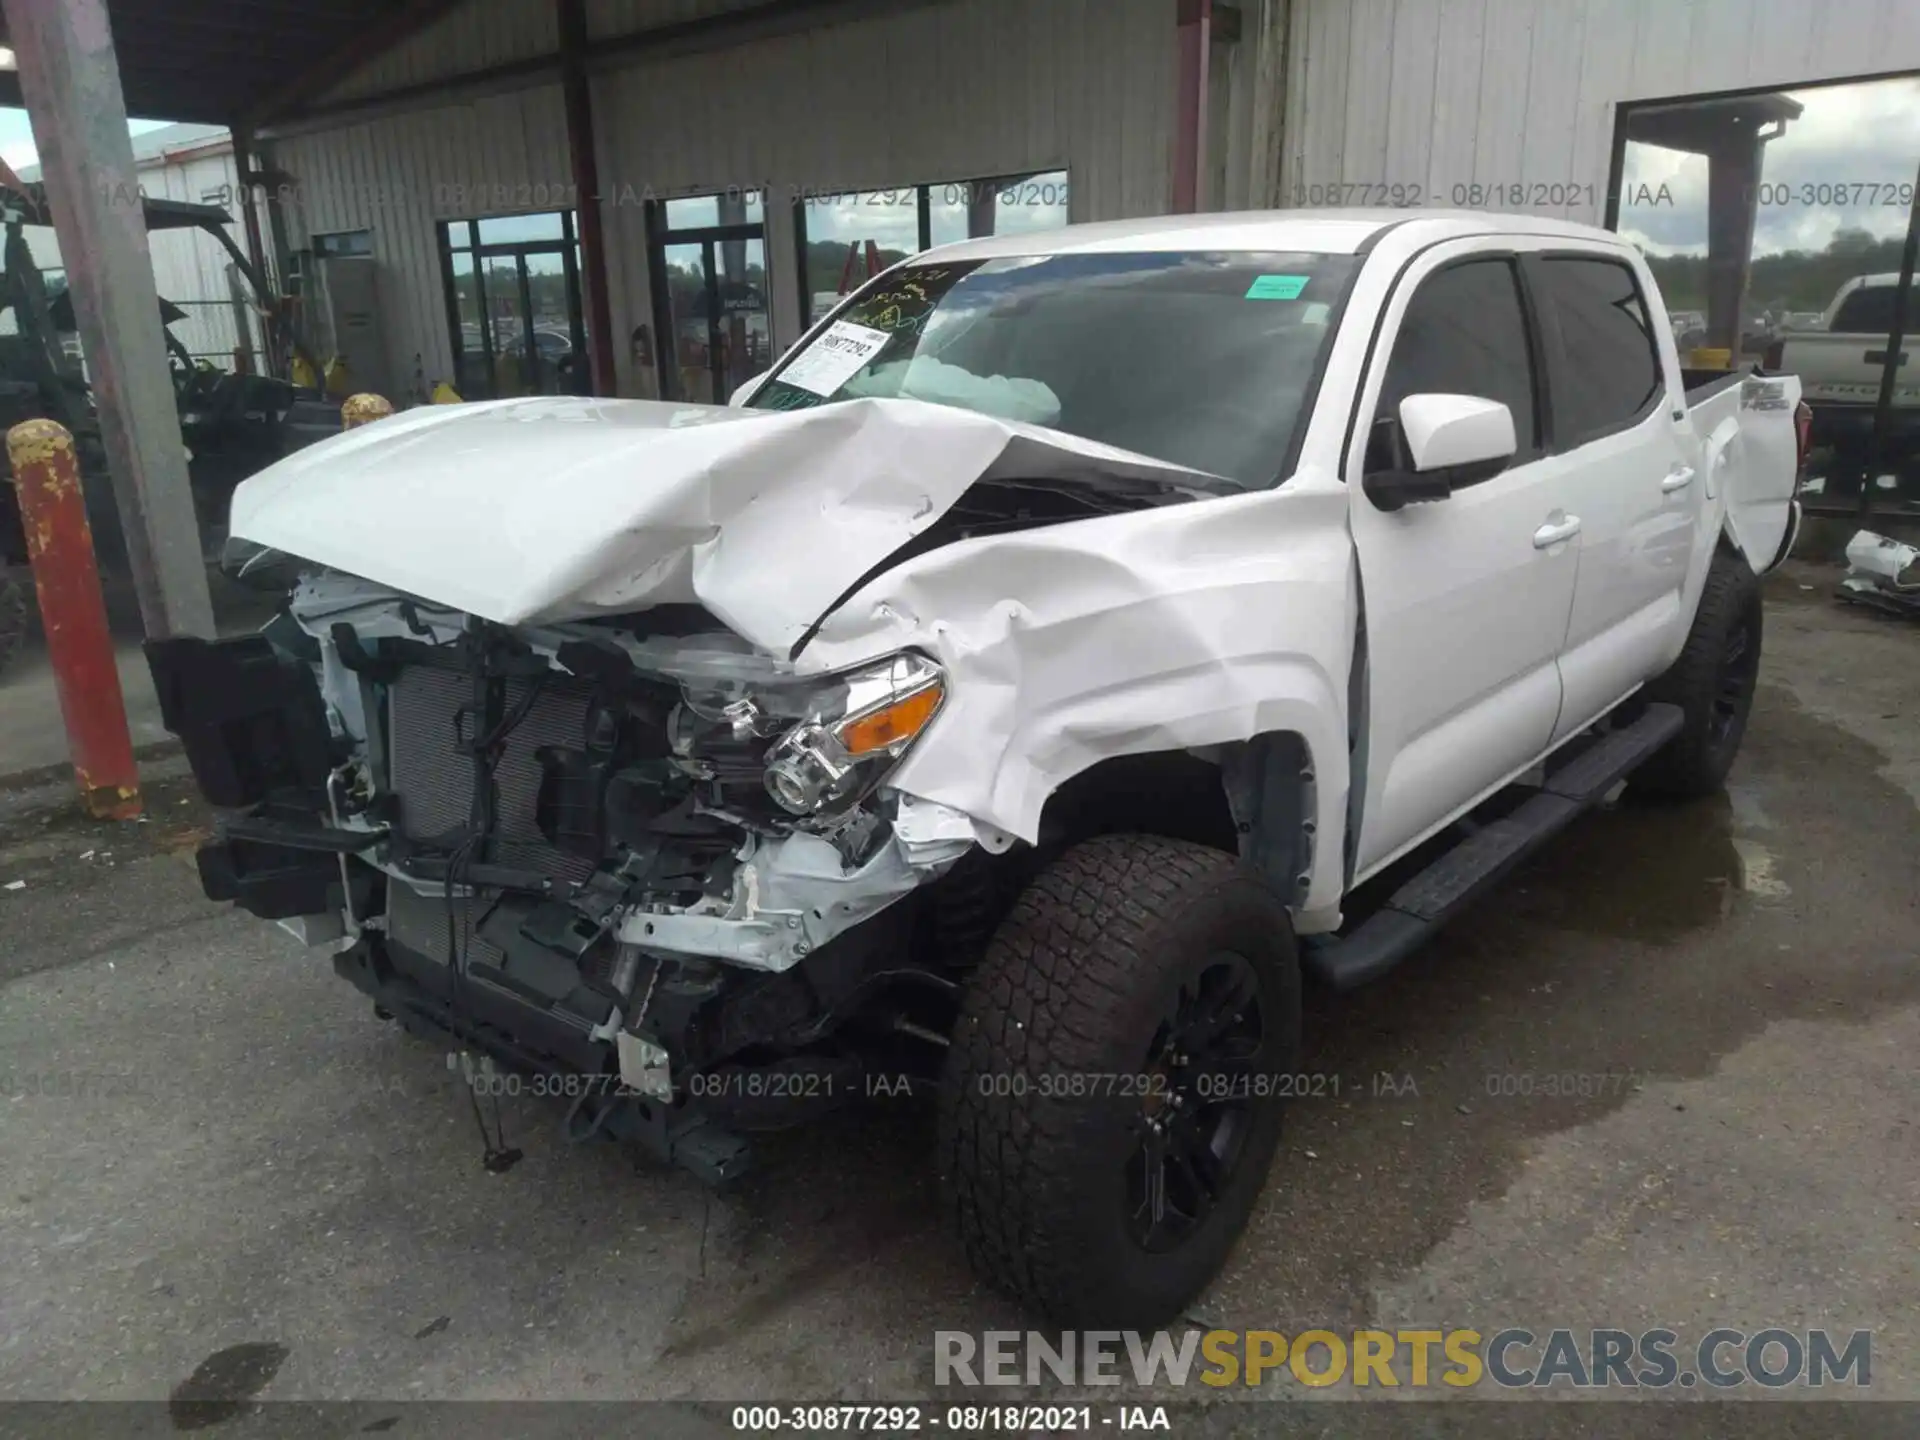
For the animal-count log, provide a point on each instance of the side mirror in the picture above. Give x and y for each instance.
(743, 392)
(1439, 444)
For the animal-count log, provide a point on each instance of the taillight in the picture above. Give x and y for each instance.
(1802, 435)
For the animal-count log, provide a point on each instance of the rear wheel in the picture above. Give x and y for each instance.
(15, 618)
(1713, 683)
(1110, 1106)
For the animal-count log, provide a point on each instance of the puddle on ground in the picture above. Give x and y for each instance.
(1654, 872)
(222, 1384)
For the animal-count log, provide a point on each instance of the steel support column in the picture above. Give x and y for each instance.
(1884, 458)
(577, 90)
(246, 167)
(71, 83)
(1195, 19)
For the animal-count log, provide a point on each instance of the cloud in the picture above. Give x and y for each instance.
(1847, 162)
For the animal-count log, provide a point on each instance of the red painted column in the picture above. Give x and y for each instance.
(73, 613)
(577, 93)
(1195, 44)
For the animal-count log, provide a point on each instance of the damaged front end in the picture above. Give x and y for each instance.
(636, 852)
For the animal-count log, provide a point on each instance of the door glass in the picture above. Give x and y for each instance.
(472, 376)
(1464, 334)
(851, 238)
(745, 344)
(1612, 370)
(507, 316)
(1010, 205)
(516, 229)
(732, 207)
(552, 366)
(690, 374)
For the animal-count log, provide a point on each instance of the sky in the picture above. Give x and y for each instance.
(1857, 136)
(16, 136)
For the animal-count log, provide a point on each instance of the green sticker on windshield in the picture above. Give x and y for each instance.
(1277, 287)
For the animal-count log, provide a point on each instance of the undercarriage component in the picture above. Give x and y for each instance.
(525, 1045)
(250, 719)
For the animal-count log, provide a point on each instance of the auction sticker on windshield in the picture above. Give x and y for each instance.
(1277, 287)
(835, 357)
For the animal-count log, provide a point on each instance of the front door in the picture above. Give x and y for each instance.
(1466, 598)
(711, 309)
(518, 324)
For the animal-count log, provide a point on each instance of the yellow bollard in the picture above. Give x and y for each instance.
(363, 409)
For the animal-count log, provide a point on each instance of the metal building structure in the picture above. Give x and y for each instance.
(407, 133)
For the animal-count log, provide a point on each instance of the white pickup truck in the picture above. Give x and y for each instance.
(1002, 699)
(1840, 362)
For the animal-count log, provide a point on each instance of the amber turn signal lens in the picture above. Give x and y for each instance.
(890, 724)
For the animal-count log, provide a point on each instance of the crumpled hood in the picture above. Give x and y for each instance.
(549, 509)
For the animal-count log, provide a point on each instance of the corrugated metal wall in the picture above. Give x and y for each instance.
(934, 92)
(942, 92)
(397, 176)
(497, 32)
(1439, 93)
(623, 17)
(472, 37)
(189, 266)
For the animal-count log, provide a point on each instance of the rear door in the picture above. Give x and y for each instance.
(1618, 423)
(1467, 597)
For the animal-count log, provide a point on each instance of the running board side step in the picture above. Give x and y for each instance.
(1443, 889)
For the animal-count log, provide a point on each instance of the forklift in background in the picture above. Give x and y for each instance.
(233, 422)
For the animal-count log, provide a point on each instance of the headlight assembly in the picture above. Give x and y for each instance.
(849, 742)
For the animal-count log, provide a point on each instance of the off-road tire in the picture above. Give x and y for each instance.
(16, 618)
(1076, 982)
(1713, 683)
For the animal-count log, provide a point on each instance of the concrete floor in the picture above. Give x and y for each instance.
(32, 736)
(258, 1161)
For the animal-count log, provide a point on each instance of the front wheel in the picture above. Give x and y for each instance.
(1713, 683)
(1113, 1093)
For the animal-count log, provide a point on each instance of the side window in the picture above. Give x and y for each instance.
(1611, 371)
(1464, 333)
(1867, 311)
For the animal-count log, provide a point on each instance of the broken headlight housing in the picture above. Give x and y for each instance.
(856, 730)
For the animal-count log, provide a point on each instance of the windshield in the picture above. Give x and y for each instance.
(1202, 360)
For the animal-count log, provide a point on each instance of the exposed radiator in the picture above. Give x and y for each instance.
(419, 922)
(433, 780)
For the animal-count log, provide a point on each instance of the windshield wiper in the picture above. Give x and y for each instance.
(1112, 494)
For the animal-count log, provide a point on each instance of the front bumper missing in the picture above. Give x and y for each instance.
(529, 1043)
(792, 895)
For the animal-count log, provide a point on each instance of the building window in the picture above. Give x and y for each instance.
(708, 259)
(513, 305)
(1761, 213)
(343, 243)
(847, 238)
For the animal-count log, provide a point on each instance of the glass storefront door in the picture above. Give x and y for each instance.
(710, 295)
(514, 295)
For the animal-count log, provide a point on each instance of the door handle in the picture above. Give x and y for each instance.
(1554, 531)
(1678, 478)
